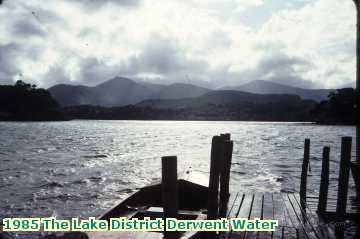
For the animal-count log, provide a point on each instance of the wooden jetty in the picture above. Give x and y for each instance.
(298, 215)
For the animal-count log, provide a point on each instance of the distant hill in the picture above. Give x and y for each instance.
(216, 105)
(121, 91)
(73, 94)
(115, 92)
(220, 97)
(180, 90)
(268, 87)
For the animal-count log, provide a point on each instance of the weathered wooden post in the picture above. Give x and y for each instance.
(343, 177)
(357, 103)
(169, 191)
(215, 166)
(324, 183)
(225, 178)
(304, 174)
(225, 136)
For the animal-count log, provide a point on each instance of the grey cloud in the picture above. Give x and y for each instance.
(26, 28)
(159, 56)
(55, 75)
(92, 72)
(95, 71)
(280, 68)
(164, 56)
(96, 4)
(46, 16)
(276, 66)
(8, 68)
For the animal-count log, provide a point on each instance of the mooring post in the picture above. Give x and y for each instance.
(213, 196)
(169, 191)
(324, 183)
(225, 178)
(304, 174)
(343, 177)
(225, 136)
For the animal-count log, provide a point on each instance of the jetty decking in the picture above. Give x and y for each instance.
(293, 221)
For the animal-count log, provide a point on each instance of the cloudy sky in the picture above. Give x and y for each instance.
(306, 43)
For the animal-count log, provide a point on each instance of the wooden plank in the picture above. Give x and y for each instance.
(305, 228)
(293, 222)
(246, 207)
(290, 233)
(281, 215)
(290, 217)
(267, 214)
(234, 212)
(233, 204)
(244, 211)
(319, 225)
(256, 212)
(279, 233)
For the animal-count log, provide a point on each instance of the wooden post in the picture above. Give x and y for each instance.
(225, 136)
(213, 196)
(304, 174)
(357, 146)
(225, 178)
(343, 177)
(169, 191)
(324, 184)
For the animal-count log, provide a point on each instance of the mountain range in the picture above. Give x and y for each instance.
(268, 87)
(121, 91)
(218, 98)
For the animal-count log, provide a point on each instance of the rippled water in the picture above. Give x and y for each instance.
(81, 168)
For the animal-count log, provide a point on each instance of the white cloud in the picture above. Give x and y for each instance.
(57, 40)
(244, 4)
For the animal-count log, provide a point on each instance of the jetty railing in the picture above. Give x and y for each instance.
(340, 215)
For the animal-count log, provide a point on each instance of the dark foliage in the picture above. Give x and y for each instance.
(273, 111)
(340, 108)
(25, 102)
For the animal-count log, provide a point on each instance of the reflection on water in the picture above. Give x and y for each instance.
(81, 168)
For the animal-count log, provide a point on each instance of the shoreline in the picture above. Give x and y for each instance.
(189, 120)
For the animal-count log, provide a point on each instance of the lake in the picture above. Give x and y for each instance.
(81, 168)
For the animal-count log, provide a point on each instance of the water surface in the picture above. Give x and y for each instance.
(81, 168)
